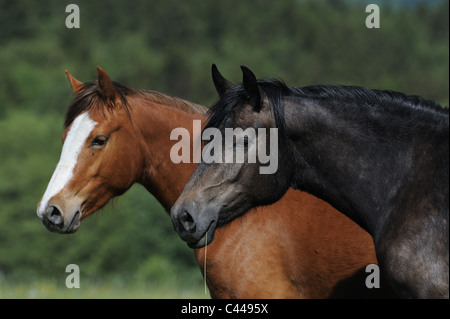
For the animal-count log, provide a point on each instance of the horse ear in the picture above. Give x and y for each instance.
(222, 85)
(77, 86)
(252, 88)
(105, 85)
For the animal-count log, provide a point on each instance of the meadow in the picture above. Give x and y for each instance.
(114, 289)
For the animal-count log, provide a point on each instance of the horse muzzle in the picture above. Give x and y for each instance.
(196, 229)
(54, 220)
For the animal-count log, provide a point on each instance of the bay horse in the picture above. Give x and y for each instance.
(379, 157)
(116, 136)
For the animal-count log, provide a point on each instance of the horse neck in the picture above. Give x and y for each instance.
(155, 121)
(347, 159)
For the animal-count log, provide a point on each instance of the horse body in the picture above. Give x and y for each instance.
(392, 181)
(380, 157)
(128, 142)
(301, 259)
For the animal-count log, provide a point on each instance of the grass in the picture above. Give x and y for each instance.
(49, 289)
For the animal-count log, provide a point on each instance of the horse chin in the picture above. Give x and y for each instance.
(71, 228)
(74, 224)
(206, 239)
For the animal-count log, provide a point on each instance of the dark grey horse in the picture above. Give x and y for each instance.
(380, 157)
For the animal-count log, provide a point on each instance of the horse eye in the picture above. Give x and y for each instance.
(245, 141)
(99, 140)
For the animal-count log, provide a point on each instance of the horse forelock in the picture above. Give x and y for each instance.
(90, 98)
(235, 98)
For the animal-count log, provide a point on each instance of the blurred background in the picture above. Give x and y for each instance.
(129, 249)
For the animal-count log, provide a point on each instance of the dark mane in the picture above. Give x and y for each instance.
(361, 95)
(276, 91)
(235, 97)
(90, 98)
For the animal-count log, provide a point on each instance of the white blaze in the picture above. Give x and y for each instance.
(76, 137)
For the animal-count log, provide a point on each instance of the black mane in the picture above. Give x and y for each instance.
(276, 91)
(367, 96)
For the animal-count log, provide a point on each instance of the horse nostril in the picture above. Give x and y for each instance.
(187, 221)
(54, 216)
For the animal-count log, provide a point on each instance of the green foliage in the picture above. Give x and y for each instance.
(168, 46)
